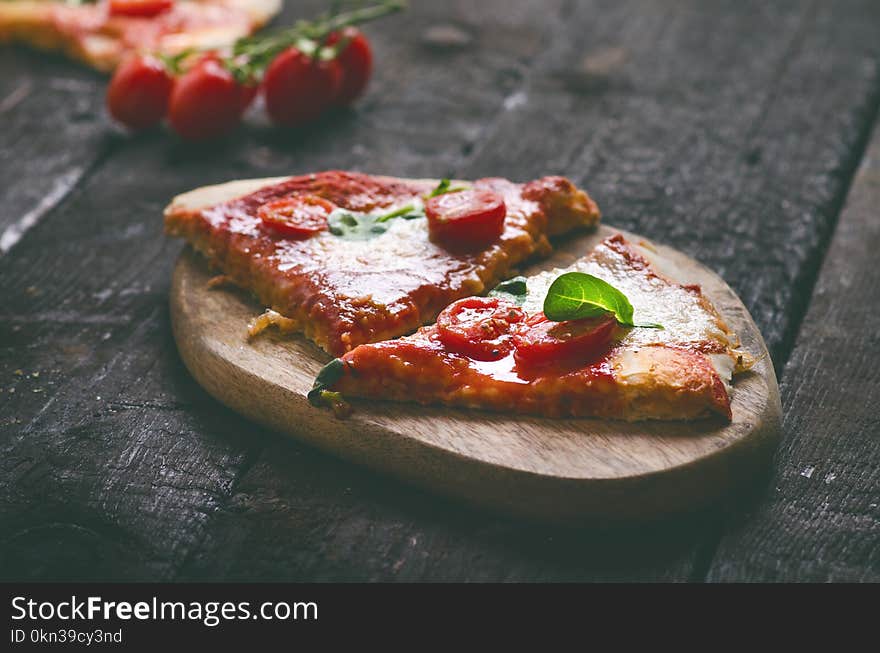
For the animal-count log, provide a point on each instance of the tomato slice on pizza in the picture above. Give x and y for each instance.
(504, 353)
(348, 258)
(102, 33)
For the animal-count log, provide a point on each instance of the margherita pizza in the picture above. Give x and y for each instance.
(611, 336)
(103, 33)
(347, 258)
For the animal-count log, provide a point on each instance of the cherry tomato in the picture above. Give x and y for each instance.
(356, 60)
(299, 88)
(479, 327)
(538, 341)
(300, 216)
(138, 93)
(466, 219)
(206, 101)
(140, 8)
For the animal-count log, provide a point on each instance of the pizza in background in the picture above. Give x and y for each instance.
(102, 33)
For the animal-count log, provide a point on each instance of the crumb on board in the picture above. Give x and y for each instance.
(270, 318)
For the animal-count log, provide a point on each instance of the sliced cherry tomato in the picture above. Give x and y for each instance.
(298, 88)
(300, 216)
(140, 8)
(206, 101)
(479, 327)
(466, 219)
(138, 93)
(539, 342)
(356, 59)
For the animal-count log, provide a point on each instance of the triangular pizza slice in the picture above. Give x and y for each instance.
(502, 352)
(348, 258)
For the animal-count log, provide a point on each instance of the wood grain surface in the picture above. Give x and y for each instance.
(730, 131)
(546, 469)
(819, 518)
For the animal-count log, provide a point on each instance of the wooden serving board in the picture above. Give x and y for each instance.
(550, 469)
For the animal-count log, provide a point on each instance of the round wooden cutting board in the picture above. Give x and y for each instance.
(549, 469)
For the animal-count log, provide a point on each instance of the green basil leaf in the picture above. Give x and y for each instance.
(348, 225)
(408, 212)
(328, 375)
(514, 290)
(577, 295)
(445, 186)
(441, 188)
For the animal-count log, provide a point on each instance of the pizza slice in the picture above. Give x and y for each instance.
(348, 258)
(625, 342)
(102, 33)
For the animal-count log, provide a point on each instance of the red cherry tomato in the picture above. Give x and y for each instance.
(140, 8)
(299, 88)
(138, 93)
(206, 101)
(300, 216)
(466, 219)
(479, 327)
(356, 60)
(538, 341)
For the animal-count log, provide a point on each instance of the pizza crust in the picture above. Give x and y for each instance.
(205, 196)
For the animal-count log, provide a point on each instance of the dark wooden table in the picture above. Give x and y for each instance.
(738, 132)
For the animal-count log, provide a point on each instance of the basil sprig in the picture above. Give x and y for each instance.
(514, 290)
(578, 295)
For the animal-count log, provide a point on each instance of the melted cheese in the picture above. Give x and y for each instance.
(687, 318)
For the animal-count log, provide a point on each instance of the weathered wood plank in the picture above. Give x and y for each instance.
(297, 515)
(111, 467)
(820, 518)
(53, 131)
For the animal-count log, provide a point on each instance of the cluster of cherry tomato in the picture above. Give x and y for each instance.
(207, 101)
